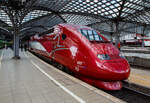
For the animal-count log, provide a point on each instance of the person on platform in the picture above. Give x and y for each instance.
(21, 46)
(6, 46)
(25, 47)
(119, 45)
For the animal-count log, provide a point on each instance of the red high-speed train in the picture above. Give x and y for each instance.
(85, 52)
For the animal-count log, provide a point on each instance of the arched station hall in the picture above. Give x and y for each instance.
(74, 51)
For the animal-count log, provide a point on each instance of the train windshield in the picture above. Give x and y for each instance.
(91, 35)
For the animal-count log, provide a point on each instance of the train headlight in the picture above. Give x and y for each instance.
(103, 56)
(121, 55)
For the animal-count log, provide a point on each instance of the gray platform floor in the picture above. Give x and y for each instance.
(29, 80)
(140, 76)
(141, 71)
(140, 55)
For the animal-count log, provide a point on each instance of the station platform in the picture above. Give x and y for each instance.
(140, 77)
(138, 58)
(138, 55)
(144, 50)
(30, 80)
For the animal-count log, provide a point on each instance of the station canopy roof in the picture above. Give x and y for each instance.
(99, 14)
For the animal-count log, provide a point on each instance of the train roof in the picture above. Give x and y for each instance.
(74, 26)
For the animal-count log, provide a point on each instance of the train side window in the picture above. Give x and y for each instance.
(64, 36)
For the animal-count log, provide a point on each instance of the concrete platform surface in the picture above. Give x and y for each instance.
(135, 48)
(138, 59)
(140, 76)
(144, 50)
(30, 80)
(139, 55)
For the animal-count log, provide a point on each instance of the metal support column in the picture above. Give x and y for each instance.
(112, 31)
(144, 27)
(16, 46)
(16, 11)
(117, 37)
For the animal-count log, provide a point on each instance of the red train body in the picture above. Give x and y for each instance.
(86, 53)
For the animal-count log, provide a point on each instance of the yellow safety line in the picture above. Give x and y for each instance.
(143, 80)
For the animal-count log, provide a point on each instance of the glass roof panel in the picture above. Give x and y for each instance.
(34, 14)
(132, 10)
(4, 17)
(78, 19)
(103, 8)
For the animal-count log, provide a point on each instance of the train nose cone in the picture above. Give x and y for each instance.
(117, 70)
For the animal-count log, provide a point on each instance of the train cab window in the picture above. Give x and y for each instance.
(64, 36)
(91, 35)
(96, 36)
(84, 33)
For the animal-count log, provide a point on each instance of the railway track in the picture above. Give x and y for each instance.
(137, 88)
(130, 96)
(130, 93)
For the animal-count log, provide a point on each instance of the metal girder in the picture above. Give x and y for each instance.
(5, 29)
(98, 22)
(139, 12)
(48, 15)
(67, 4)
(36, 19)
(94, 12)
(44, 21)
(48, 9)
(16, 12)
(67, 12)
(29, 28)
(30, 33)
(25, 31)
(84, 14)
(3, 24)
(5, 34)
